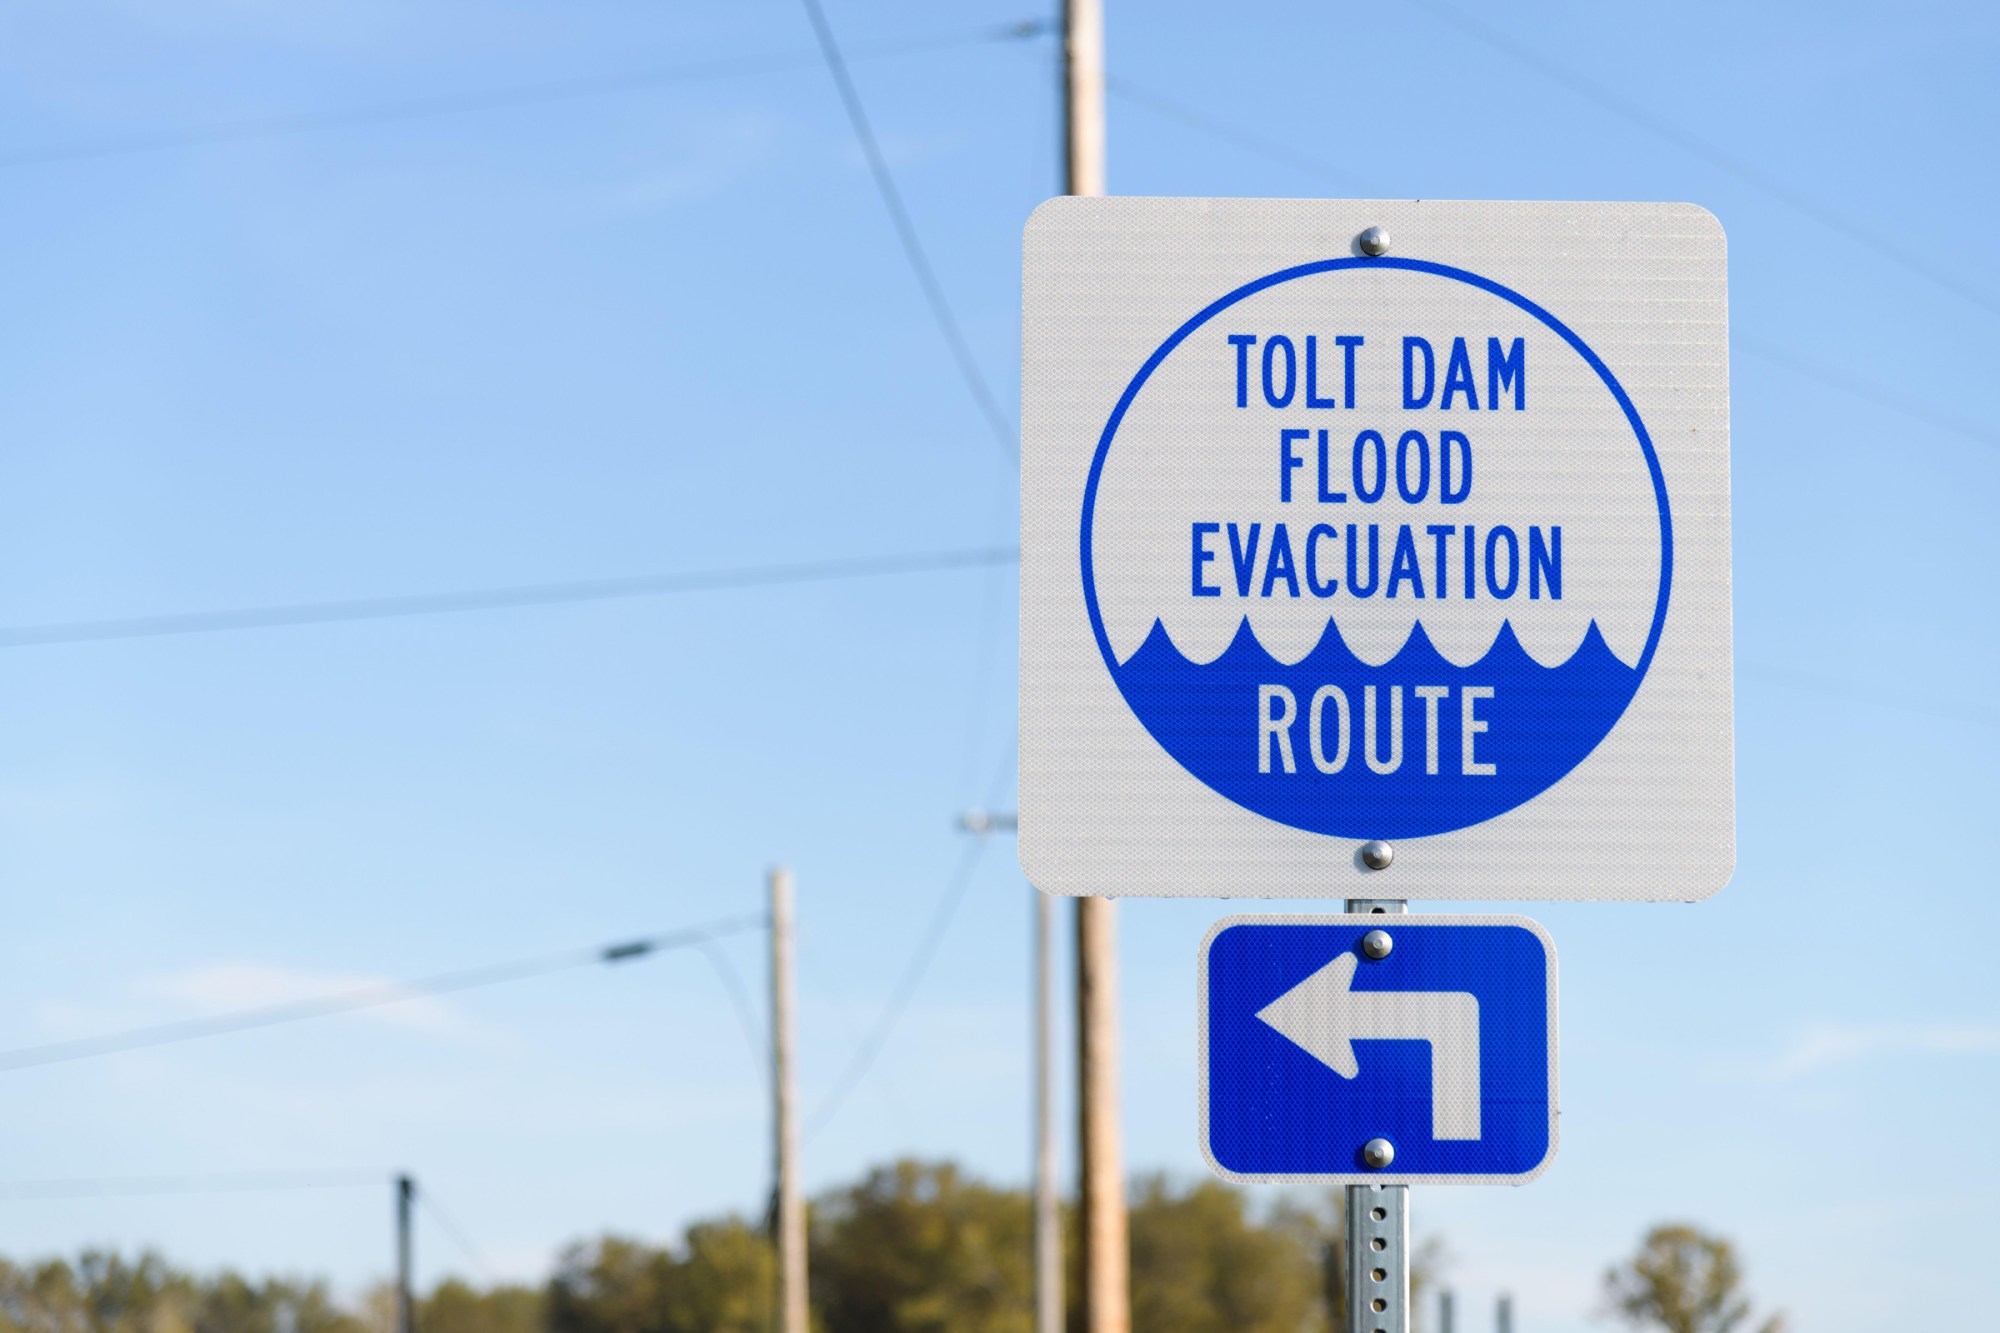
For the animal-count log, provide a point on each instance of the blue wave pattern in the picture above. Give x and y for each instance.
(1541, 723)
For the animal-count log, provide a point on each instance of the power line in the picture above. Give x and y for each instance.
(1882, 395)
(906, 236)
(739, 1000)
(395, 992)
(504, 598)
(906, 988)
(1264, 145)
(913, 971)
(427, 1200)
(1906, 255)
(418, 108)
(1170, 108)
(830, 1003)
(238, 1182)
(225, 1183)
(986, 630)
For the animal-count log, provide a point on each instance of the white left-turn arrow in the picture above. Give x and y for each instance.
(1323, 1017)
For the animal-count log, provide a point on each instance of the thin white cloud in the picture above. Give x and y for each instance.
(224, 988)
(1826, 1045)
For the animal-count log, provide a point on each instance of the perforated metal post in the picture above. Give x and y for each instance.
(1378, 1259)
(1373, 906)
(1378, 1225)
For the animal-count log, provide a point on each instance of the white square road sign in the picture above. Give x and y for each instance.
(1322, 546)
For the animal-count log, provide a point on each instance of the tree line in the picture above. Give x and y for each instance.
(912, 1247)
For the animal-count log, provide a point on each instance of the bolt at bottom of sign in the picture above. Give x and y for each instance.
(1378, 1153)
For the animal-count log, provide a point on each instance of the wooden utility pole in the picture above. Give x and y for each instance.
(406, 1319)
(790, 1213)
(1048, 1200)
(1083, 97)
(1106, 1293)
(1047, 1243)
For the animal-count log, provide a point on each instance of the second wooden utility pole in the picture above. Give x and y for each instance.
(789, 1212)
(1106, 1281)
(1048, 1199)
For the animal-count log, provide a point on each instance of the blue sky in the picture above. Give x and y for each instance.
(667, 328)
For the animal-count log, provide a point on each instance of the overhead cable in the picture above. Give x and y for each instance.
(1261, 144)
(914, 971)
(443, 104)
(1902, 253)
(1882, 395)
(907, 238)
(427, 1200)
(109, 1187)
(906, 987)
(739, 1000)
(1172, 109)
(503, 598)
(367, 997)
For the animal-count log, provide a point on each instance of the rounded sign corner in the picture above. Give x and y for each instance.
(1705, 218)
(1051, 212)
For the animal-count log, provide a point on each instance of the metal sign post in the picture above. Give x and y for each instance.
(1378, 1258)
(1378, 1225)
(1376, 551)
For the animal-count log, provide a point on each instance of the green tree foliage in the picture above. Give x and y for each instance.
(1683, 1280)
(1202, 1264)
(457, 1307)
(728, 1280)
(921, 1248)
(610, 1285)
(106, 1293)
(914, 1247)
(722, 1280)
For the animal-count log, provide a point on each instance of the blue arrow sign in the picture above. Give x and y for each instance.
(1440, 1041)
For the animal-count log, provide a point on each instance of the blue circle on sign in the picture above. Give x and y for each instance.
(1534, 724)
